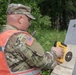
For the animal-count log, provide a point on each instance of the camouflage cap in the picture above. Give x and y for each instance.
(19, 9)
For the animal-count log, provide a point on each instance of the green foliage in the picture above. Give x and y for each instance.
(60, 11)
(2, 12)
(45, 72)
(41, 22)
(71, 6)
(47, 37)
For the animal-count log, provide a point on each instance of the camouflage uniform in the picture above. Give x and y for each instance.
(20, 56)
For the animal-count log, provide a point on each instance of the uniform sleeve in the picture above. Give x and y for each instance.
(32, 52)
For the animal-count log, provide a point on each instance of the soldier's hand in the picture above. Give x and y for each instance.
(58, 51)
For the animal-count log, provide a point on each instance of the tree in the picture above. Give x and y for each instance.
(60, 11)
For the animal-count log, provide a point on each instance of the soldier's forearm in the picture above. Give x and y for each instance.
(50, 61)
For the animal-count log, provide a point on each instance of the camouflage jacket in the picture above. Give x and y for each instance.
(20, 56)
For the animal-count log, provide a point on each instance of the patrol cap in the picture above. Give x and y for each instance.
(19, 9)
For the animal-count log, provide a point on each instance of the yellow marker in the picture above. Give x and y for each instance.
(62, 45)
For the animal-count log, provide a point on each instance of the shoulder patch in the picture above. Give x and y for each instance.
(29, 41)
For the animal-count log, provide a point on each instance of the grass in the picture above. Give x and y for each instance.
(47, 38)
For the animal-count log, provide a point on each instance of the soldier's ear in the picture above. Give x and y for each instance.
(20, 20)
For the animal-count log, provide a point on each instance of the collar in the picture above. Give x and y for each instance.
(8, 27)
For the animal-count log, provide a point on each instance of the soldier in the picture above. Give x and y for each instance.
(24, 55)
